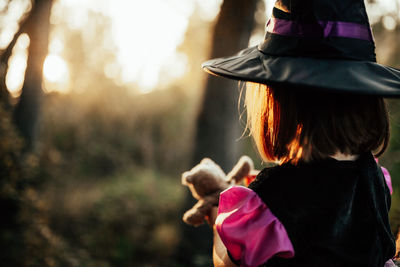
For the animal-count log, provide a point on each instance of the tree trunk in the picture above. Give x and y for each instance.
(27, 110)
(4, 95)
(218, 125)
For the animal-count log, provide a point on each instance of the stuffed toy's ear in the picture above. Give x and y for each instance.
(206, 161)
(187, 178)
(241, 170)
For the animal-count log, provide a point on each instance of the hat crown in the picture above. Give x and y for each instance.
(331, 10)
(320, 29)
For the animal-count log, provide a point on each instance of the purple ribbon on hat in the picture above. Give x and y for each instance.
(322, 29)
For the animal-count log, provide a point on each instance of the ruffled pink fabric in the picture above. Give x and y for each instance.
(249, 230)
(388, 179)
(390, 263)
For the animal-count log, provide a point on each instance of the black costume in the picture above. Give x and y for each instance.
(335, 212)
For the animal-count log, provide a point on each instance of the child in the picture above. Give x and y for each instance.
(314, 104)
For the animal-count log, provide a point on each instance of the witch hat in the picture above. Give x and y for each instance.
(315, 44)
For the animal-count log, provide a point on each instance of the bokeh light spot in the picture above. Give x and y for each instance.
(389, 23)
(55, 69)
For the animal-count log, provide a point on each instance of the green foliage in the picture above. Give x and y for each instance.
(121, 221)
(22, 242)
(95, 135)
(103, 188)
(110, 169)
(10, 184)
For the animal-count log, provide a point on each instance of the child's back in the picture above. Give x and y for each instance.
(335, 212)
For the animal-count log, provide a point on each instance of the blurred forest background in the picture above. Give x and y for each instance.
(103, 105)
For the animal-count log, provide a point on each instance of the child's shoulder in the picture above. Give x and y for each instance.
(327, 182)
(324, 171)
(289, 175)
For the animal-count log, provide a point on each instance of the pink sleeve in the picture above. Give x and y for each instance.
(249, 230)
(388, 179)
(390, 263)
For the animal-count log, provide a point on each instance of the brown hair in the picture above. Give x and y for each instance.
(289, 126)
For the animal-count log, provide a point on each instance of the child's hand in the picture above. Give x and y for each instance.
(210, 218)
(250, 178)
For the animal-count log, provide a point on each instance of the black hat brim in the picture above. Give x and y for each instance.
(333, 75)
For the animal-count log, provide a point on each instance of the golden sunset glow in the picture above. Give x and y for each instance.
(10, 19)
(17, 66)
(55, 69)
(143, 37)
(56, 74)
(142, 52)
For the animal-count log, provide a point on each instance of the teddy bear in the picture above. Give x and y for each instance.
(206, 181)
